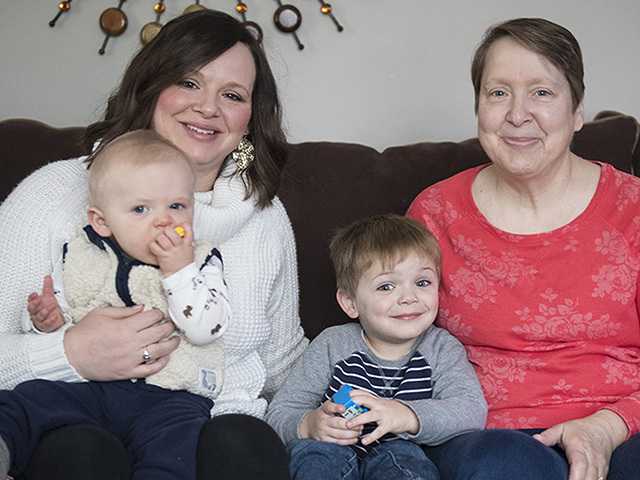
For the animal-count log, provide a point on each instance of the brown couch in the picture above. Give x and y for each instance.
(327, 185)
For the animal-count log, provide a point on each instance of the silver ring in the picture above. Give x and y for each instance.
(146, 356)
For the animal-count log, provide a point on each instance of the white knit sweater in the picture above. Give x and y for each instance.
(265, 336)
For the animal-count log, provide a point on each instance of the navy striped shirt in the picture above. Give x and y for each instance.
(411, 381)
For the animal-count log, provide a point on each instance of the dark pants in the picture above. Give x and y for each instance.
(230, 447)
(514, 454)
(158, 428)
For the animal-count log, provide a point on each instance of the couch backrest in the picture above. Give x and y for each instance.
(327, 185)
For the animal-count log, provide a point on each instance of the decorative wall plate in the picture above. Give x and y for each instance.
(288, 19)
(113, 23)
(149, 31)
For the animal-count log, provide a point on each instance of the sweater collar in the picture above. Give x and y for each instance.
(222, 212)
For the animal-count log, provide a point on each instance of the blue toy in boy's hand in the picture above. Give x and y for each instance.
(352, 409)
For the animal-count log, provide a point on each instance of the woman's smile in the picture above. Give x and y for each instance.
(196, 130)
(520, 142)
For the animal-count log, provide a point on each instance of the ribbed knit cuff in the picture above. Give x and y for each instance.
(47, 357)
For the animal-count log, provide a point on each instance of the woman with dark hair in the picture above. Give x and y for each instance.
(540, 273)
(205, 85)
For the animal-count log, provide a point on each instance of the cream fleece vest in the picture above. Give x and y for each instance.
(89, 280)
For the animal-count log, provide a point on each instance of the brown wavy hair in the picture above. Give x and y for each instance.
(183, 46)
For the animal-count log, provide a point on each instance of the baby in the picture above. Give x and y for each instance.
(138, 249)
(411, 379)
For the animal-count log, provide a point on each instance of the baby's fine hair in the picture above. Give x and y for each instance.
(384, 238)
(133, 149)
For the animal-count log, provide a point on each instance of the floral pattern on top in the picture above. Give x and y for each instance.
(562, 320)
(482, 272)
(617, 278)
(550, 321)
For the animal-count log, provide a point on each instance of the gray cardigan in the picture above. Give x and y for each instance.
(456, 405)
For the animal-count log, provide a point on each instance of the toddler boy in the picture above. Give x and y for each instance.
(414, 378)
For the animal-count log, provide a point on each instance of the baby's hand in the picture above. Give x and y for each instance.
(173, 247)
(390, 415)
(43, 308)
(326, 425)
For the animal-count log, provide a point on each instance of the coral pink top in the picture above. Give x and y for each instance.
(550, 321)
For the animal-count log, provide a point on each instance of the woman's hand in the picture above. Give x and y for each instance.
(588, 443)
(108, 343)
(326, 425)
(391, 416)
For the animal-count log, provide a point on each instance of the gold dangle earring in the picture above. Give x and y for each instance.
(243, 155)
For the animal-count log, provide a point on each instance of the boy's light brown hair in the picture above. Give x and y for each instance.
(380, 238)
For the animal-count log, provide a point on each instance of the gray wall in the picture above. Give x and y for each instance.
(397, 74)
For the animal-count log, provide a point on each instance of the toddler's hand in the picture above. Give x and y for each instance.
(391, 416)
(326, 425)
(43, 308)
(173, 251)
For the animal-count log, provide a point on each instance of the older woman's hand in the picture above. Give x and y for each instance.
(588, 443)
(109, 343)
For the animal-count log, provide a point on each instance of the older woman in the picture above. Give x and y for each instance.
(541, 263)
(204, 84)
